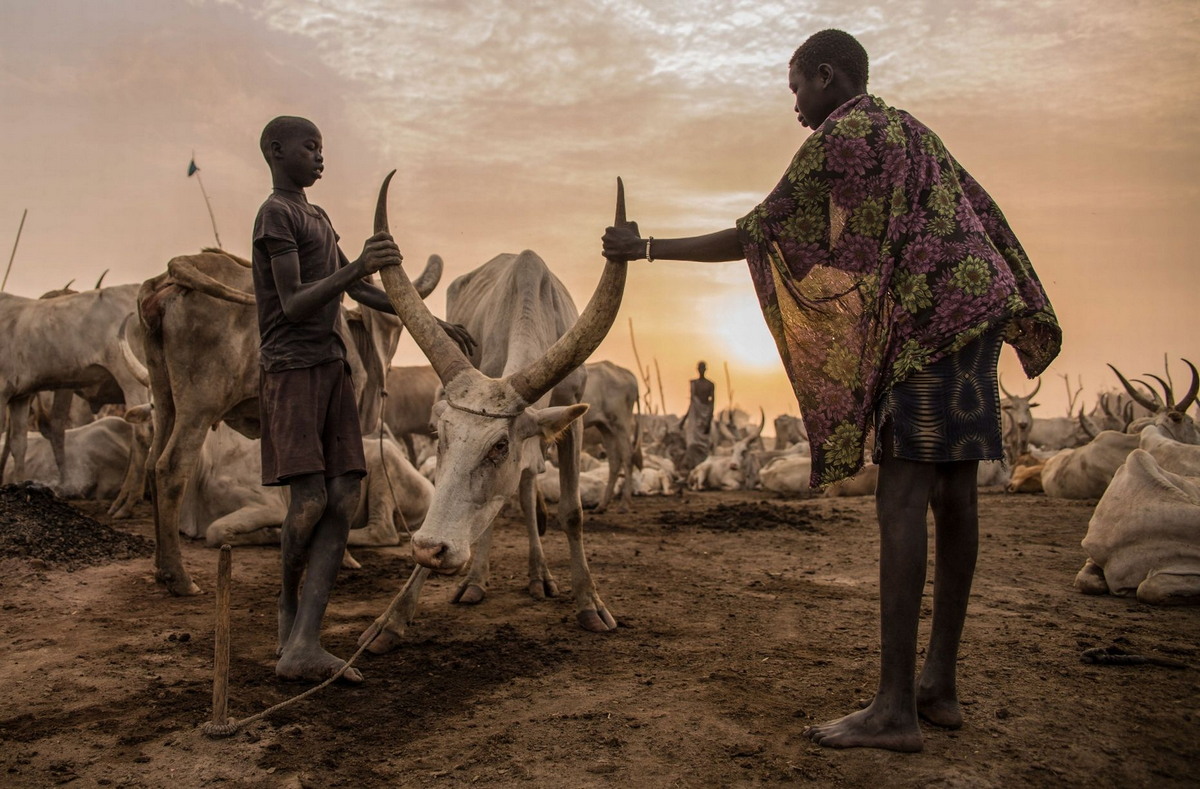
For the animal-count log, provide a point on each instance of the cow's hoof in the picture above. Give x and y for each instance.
(382, 643)
(540, 589)
(178, 585)
(349, 562)
(470, 594)
(596, 621)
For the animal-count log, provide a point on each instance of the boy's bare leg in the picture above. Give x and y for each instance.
(956, 521)
(890, 721)
(305, 508)
(303, 657)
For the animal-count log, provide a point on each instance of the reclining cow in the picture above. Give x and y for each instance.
(726, 472)
(1142, 539)
(611, 393)
(520, 388)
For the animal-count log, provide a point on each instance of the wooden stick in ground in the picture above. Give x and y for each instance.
(662, 397)
(221, 650)
(8, 270)
(643, 372)
(729, 388)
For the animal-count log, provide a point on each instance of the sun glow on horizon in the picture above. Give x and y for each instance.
(742, 331)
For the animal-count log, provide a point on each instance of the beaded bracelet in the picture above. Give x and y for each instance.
(648, 242)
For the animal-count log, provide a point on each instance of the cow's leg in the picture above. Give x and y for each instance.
(133, 487)
(312, 545)
(590, 610)
(381, 508)
(541, 582)
(1170, 588)
(390, 636)
(60, 411)
(890, 721)
(472, 590)
(172, 470)
(18, 434)
(252, 525)
(1090, 579)
(956, 523)
(614, 466)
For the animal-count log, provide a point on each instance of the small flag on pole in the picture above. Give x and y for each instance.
(192, 168)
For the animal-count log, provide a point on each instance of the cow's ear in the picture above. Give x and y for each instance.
(551, 422)
(435, 414)
(1034, 405)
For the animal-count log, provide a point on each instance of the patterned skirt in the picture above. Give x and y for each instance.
(949, 411)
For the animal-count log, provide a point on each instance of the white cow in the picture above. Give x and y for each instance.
(788, 475)
(725, 472)
(520, 389)
(96, 458)
(1143, 537)
(611, 393)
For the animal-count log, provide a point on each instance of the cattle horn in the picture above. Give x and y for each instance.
(580, 340)
(1086, 425)
(1137, 396)
(447, 360)
(101, 280)
(136, 368)
(762, 422)
(1000, 381)
(430, 277)
(1190, 397)
(1168, 394)
(1036, 387)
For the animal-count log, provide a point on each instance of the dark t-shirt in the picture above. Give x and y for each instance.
(285, 344)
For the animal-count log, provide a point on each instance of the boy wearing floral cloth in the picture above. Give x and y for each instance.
(889, 279)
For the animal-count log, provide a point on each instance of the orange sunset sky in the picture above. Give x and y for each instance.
(509, 122)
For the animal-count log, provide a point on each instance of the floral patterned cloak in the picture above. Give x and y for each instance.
(876, 255)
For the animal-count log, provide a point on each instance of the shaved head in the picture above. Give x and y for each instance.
(285, 127)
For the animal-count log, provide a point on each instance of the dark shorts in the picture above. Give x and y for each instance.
(949, 411)
(310, 423)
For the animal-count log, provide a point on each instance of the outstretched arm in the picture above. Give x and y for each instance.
(623, 243)
(302, 299)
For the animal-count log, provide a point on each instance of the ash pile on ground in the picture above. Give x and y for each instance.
(36, 524)
(746, 516)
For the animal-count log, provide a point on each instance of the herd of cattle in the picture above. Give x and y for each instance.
(174, 364)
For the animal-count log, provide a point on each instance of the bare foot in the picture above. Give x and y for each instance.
(313, 665)
(939, 709)
(868, 729)
(287, 616)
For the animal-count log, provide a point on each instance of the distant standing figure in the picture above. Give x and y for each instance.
(699, 419)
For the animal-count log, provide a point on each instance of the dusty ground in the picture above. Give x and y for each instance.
(737, 631)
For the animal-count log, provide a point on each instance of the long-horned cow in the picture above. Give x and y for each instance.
(611, 393)
(1017, 420)
(202, 341)
(1085, 472)
(522, 387)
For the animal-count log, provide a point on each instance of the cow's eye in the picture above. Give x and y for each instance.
(498, 452)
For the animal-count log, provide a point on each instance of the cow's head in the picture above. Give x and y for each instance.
(1169, 415)
(1018, 416)
(742, 445)
(485, 425)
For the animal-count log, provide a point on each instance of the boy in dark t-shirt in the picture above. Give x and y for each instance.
(311, 440)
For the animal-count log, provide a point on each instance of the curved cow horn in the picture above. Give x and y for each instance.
(1036, 387)
(762, 422)
(1169, 396)
(577, 344)
(1000, 381)
(1085, 423)
(102, 276)
(136, 368)
(1190, 396)
(1137, 396)
(430, 277)
(67, 287)
(447, 360)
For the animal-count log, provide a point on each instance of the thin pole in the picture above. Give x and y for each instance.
(662, 398)
(14, 250)
(643, 372)
(211, 218)
(221, 646)
(729, 387)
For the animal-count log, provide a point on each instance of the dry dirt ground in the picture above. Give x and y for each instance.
(744, 618)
